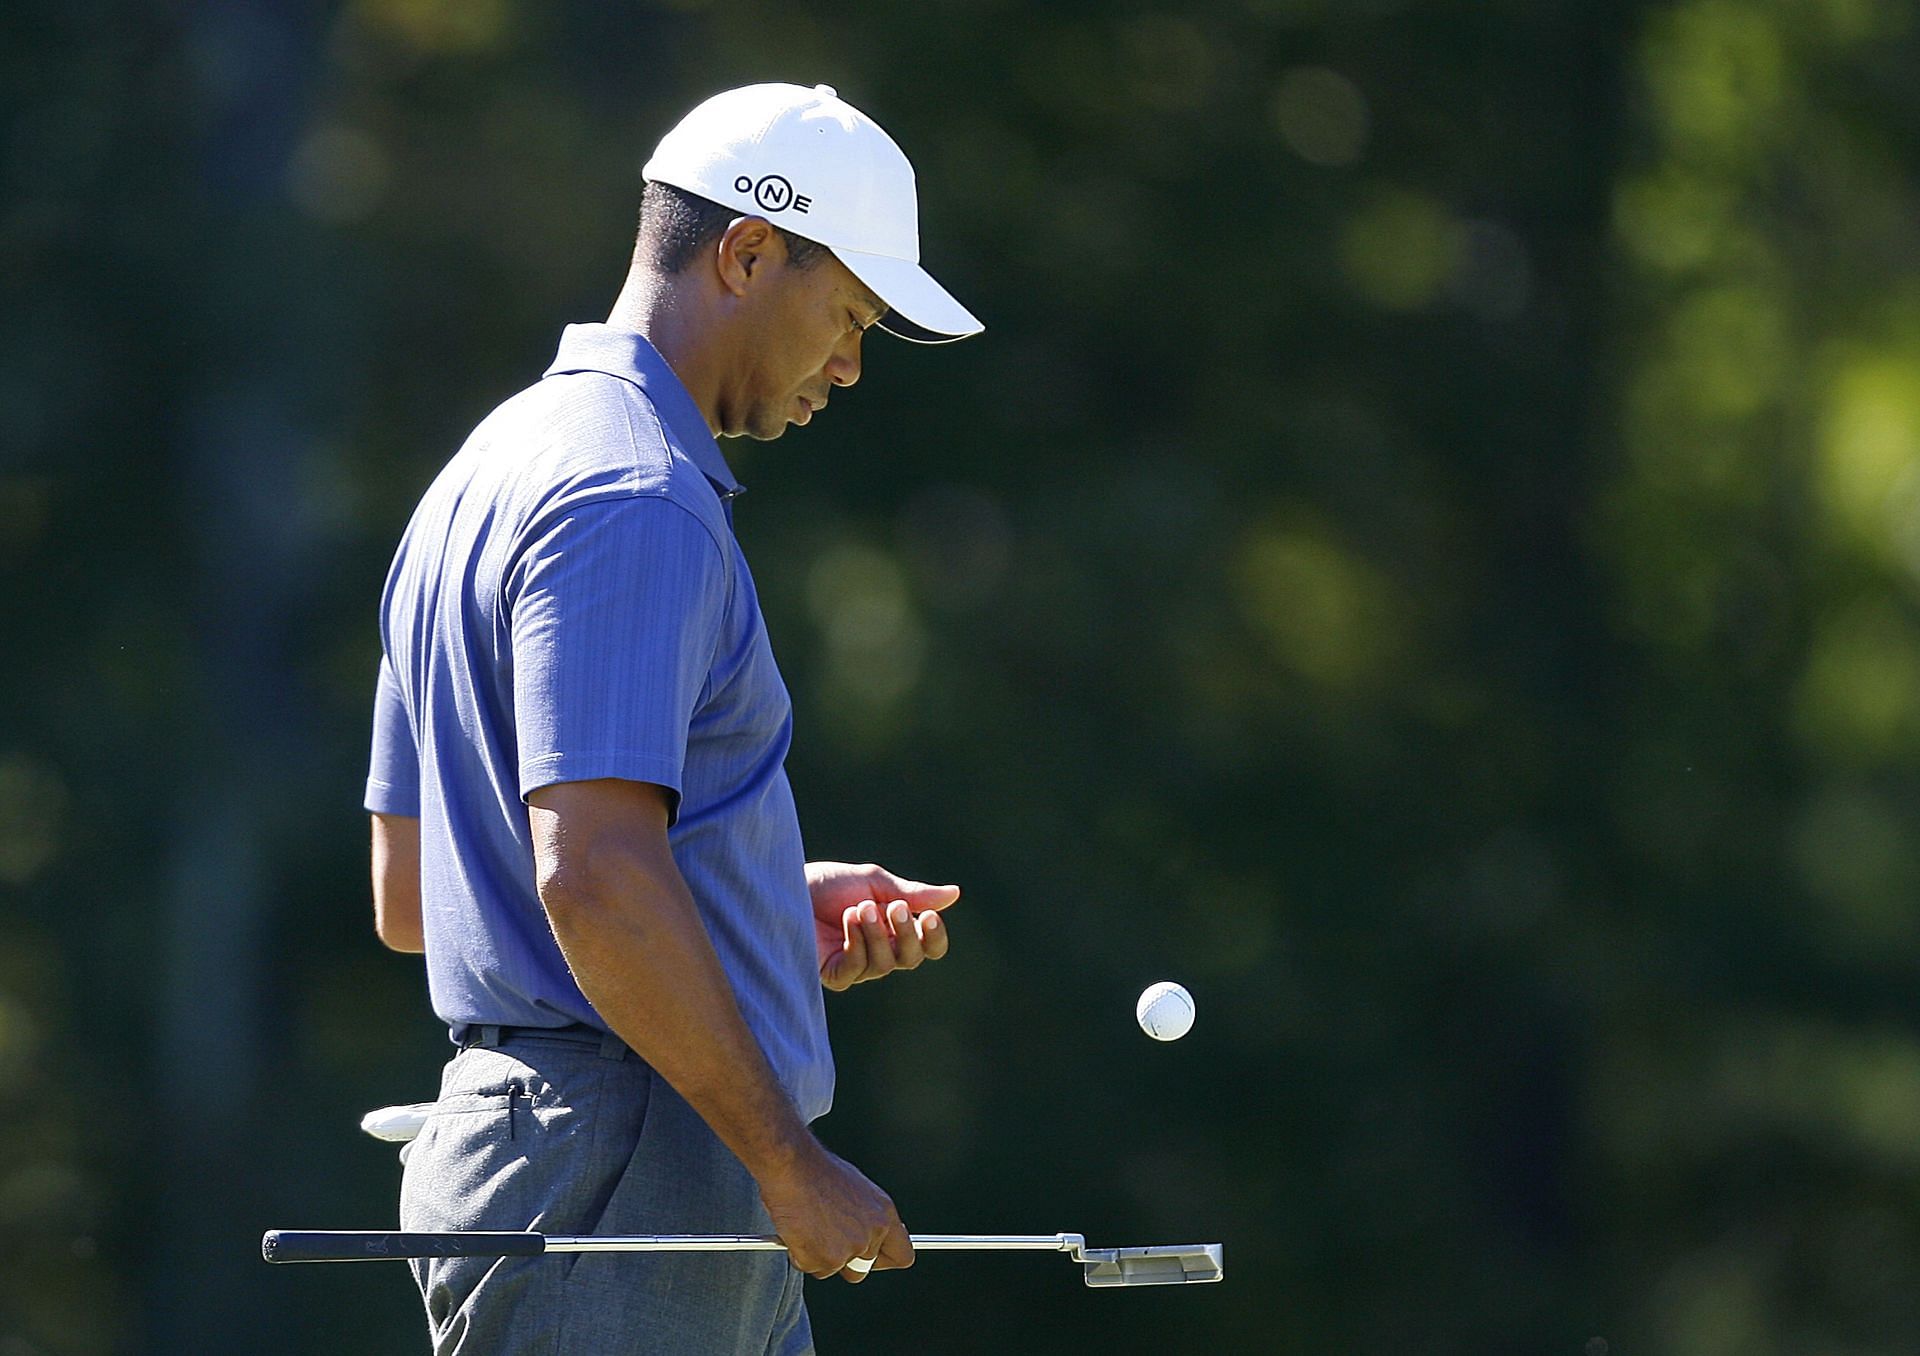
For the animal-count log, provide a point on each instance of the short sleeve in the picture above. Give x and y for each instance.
(393, 779)
(616, 612)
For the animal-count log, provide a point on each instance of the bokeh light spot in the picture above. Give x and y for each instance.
(1728, 349)
(1674, 220)
(1852, 854)
(1859, 697)
(1717, 74)
(1869, 464)
(1401, 249)
(1321, 115)
(875, 644)
(1325, 613)
(1170, 61)
(439, 25)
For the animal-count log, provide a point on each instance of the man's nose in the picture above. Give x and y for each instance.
(843, 369)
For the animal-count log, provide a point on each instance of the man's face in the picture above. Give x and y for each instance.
(799, 338)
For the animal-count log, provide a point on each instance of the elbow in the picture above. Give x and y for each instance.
(567, 893)
(397, 922)
(589, 893)
(408, 940)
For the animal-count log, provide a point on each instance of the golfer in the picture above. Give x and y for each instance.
(580, 810)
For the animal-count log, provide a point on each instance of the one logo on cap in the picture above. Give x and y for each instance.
(772, 193)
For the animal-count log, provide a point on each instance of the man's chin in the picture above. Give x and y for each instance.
(760, 432)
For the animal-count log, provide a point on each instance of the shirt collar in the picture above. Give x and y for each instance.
(623, 354)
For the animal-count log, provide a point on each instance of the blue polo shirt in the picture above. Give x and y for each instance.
(569, 603)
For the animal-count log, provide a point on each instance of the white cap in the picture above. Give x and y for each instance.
(813, 164)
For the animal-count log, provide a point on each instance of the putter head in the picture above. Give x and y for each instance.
(1187, 1264)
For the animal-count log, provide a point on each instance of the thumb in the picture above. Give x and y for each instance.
(922, 896)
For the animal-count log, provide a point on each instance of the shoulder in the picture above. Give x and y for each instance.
(580, 438)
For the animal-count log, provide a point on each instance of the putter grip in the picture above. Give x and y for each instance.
(295, 1245)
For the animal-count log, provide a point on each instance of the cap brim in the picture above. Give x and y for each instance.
(918, 308)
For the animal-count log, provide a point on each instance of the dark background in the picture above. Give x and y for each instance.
(1424, 554)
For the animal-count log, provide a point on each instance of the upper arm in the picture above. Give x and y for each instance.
(393, 797)
(616, 613)
(396, 882)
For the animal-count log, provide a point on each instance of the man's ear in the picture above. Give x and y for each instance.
(745, 248)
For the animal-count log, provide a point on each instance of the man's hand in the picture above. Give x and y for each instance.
(870, 922)
(832, 1219)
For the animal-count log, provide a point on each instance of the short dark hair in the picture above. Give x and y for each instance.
(676, 227)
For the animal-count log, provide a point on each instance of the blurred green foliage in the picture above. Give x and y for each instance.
(1425, 554)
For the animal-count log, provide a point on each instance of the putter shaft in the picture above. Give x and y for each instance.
(1102, 1266)
(291, 1245)
(768, 1243)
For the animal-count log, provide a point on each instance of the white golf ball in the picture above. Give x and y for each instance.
(1165, 1011)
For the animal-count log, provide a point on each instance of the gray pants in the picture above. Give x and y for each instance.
(567, 1135)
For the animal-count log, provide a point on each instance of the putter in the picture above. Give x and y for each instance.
(1188, 1264)
(1182, 1265)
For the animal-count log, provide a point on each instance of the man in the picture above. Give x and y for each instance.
(580, 811)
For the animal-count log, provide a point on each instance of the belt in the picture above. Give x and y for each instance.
(492, 1036)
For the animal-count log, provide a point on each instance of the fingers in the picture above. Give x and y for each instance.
(896, 1249)
(853, 1270)
(876, 942)
(892, 938)
(908, 950)
(856, 1269)
(916, 937)
(933, 935)
(881, 959)
(892, 1251)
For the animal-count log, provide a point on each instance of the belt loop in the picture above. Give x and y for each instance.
(612, 1047)
(489, 1036)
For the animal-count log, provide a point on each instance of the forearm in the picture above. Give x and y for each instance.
(637, 946)
(634, 940)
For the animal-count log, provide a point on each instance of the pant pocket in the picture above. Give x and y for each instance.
(504, 1148)
(618, 1126)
